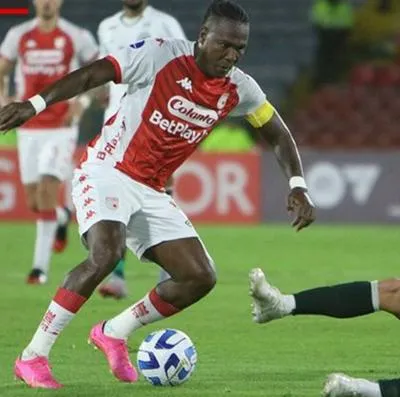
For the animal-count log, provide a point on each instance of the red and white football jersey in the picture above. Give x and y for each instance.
(170, 106)
(117, 32)
(43, 58)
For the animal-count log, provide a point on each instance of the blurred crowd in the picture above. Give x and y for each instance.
(352, 99)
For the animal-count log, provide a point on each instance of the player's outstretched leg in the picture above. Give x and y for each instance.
(340, 385)
(389, 388)
(115, 286)
(192, 277)
(340, 301)
(106, 244)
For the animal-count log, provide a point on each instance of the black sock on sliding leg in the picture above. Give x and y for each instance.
(340, 301)
(390, 388)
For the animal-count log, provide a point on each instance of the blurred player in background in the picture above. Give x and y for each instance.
(45, 49)
(136, 21)
(347, 300)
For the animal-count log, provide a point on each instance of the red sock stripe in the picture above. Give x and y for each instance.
(48, 215)
(164, 308)
(69, 300)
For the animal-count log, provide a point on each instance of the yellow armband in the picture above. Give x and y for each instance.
(261, 116)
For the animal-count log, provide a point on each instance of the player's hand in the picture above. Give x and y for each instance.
(14, 115)
(5, 100)
(299, 203)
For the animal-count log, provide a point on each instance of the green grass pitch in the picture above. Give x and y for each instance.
(290, 357)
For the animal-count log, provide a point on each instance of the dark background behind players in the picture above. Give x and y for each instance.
(294, 52)
(283, 32)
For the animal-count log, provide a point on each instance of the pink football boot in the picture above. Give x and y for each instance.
(36, 373)
(116, 352)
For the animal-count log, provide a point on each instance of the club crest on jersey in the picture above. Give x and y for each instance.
(222, 101)
(31, 44)
(112, 203)
(59, 42)
(191, 112)
(137, 45)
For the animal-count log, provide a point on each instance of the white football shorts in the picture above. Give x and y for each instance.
(103, 193)
(46, 152)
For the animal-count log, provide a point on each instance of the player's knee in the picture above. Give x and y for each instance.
(204, 280)
(46, 195)
(30, 197)
(105, 256)
(43, 198)
(32, 204)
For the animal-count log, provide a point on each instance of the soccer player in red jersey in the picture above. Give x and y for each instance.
(177, 92)
(44, 49)
(136, 21)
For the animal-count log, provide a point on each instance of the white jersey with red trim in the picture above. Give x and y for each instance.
(43, 58)
(170, 106)
(118, 31)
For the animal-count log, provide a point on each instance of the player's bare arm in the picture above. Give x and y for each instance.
(281, 140)
(75, 83)
(5, 69)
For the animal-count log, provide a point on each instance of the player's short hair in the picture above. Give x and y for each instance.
(226, 9)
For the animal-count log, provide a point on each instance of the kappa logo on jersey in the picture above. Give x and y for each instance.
(186, 84)
(137, 45)
(189, 111)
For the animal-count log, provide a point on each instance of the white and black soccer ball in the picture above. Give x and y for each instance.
(167, 357)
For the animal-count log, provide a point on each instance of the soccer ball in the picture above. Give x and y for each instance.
(167, 357)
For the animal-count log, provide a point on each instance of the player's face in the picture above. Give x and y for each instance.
(47, 9)
(134, 4)
(222, 42)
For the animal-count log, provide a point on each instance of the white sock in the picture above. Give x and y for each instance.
(62, 216)
(45, 230)
(367, 388)
(148, 310)
(289, 303)
(55, 319)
